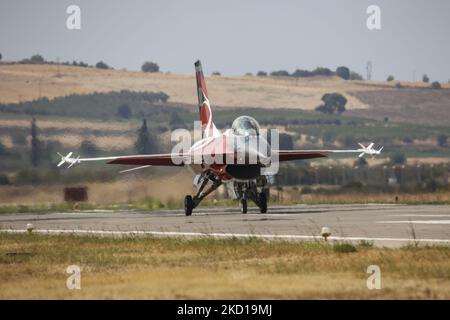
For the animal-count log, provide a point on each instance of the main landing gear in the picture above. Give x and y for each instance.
(249, 190)
(191, 202)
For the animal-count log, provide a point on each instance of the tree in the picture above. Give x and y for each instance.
(398, 158)
(299, 73)
(343, 72)
(435, 85)
(4, 180)
(327, 137)
(285, 141)
(149, 66)
(360, 162)
(1, 56)
(3, 150)
(441, 140)
(89, 148)
(145, 143)
(124, 111)
(34, 144)
(37, 59)
(261, 74)
(425, 78)
(175, 120)
(355, 76)
(216, 73)
(333, 103)
(280, 73)
(101, 65)
(348, 141)
(390, 78)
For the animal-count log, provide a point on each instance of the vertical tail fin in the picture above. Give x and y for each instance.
(204, 107)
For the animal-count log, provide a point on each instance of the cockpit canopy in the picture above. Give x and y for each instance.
(244, 126)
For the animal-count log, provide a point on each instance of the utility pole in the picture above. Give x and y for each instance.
(369, 70)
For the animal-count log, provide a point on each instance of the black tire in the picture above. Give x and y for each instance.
(243, 205)
(188, 205)
(262, 202)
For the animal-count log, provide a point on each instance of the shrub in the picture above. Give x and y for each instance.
(435, 85)
(124, 111)
(344, 248)
(280, 73)
(101, 65)
(35, 59)
(261, 74)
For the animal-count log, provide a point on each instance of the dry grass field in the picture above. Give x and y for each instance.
(27, 82)
(375, 99)
(34, 267)
(128, 188)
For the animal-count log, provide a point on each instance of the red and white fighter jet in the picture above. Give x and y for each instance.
(240, 157)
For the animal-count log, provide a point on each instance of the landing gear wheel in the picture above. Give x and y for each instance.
(262, 202)
(243, 205)
(188, 205)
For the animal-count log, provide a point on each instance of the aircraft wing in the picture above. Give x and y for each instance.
(164, 159)
(289, 155)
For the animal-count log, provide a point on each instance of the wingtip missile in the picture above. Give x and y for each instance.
(67, 159)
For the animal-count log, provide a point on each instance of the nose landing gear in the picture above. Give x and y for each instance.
(249, 190)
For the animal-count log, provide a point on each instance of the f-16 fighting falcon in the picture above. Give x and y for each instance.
(242, 157)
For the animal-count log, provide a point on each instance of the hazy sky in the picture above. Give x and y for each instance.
(235, 37)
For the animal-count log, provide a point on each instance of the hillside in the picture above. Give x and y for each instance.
(376, 100)
(27, 82)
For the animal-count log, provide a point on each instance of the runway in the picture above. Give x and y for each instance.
(384, 225)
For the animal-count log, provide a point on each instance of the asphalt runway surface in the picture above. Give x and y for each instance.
(384, 225)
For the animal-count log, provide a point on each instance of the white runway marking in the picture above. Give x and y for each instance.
(418, 221)
(220, 235)
(421, 215)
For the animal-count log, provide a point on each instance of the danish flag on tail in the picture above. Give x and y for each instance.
(204, 107)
